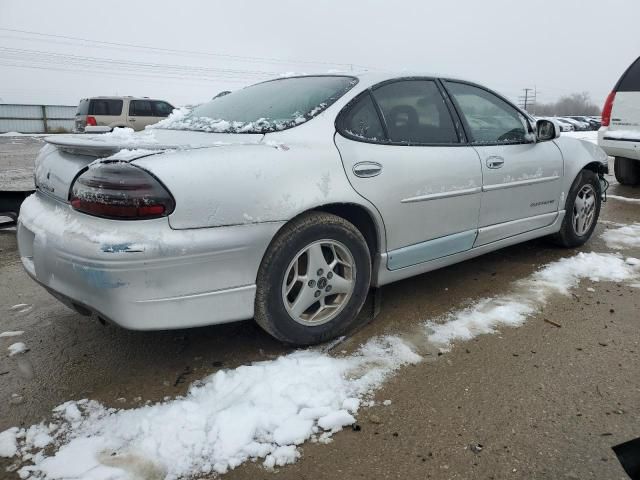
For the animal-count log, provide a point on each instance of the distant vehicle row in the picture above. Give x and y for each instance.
(103, 114)
(578, 123)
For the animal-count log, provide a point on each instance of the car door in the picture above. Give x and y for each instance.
(521, 176)
(141, 114)
(402, 151)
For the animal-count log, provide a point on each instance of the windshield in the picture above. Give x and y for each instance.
(264, 107)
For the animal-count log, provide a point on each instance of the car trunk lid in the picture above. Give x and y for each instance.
(65, 156)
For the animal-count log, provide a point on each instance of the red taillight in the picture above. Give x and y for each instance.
(91, 122)
(120, 190)
(606, 110)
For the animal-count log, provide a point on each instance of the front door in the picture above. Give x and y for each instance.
(402, 152)
(521, 177)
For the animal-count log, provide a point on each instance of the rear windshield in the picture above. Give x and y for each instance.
(105, 106)
(83, 107)
(630, 81)
(264, 107)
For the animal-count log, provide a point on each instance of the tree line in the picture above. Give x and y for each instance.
(574, 104)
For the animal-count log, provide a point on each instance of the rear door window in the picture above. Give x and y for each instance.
(140, 108)
(162, 109)
(489, 118)
(102, 106)
(630, 81)
(361, 120)
(415, 113)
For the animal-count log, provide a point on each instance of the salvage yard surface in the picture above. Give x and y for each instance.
(421, 392)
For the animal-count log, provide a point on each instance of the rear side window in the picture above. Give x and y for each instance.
(489, 118)
(162, 109)
(630, 81)
(101, 106)
(415, 113)
(140, 108)
(361, 120)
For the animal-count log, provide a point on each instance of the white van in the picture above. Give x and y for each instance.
(103, 114)
(619, 135)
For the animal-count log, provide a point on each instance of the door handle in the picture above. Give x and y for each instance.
(495, 162)
(367, 169)
(132, 119)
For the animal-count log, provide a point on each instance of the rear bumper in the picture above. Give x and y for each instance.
(628, 148)
(142, 275)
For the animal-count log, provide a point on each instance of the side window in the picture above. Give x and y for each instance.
(99, 106)
(490, 119)
(140, 108)
(162, 109)
(361, 120)
(415, 112)
(630, 81)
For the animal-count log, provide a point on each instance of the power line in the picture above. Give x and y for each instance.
(54, 58)
(179, 51)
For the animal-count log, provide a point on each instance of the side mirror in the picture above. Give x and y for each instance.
(547, 130)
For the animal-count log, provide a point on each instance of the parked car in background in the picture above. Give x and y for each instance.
(564, 125)
(379, 178)
(103, 114)
(578, 125)
(592, 122)
(620, 132)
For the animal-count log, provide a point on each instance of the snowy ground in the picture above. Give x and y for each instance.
(273, 409)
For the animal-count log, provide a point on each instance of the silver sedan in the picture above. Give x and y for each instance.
(288, 200)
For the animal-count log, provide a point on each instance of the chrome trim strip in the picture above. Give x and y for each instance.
(520, 183)
(437, 196)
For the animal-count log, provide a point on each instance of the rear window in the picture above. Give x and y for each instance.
(630, 81)
(103, 106)
(264, 107)
(83, 107)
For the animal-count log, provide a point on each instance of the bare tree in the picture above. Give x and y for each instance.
(574, 104)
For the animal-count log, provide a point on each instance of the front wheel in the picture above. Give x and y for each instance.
(313, 280)
(582, 210)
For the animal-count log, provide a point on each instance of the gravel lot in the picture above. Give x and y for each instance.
(546, 400)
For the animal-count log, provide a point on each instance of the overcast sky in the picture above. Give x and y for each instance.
(199, 48)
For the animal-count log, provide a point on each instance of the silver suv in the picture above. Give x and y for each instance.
(103, 114)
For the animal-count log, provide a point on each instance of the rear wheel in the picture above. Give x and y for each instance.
(627, 171)
(582, 210)
(313, 280)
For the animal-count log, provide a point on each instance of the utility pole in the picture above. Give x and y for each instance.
(528, 99)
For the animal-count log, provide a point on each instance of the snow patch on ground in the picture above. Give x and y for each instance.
(262, 410)
(529, 295)
(627, 236)
(624, 199)
(17, 348)
(10, 333)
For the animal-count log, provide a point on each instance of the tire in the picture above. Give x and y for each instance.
(627, 171)
(285, 277)
(573, 233)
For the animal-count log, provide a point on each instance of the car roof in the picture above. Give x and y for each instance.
(122, 97)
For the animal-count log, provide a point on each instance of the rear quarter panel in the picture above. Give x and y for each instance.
(288, 173)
